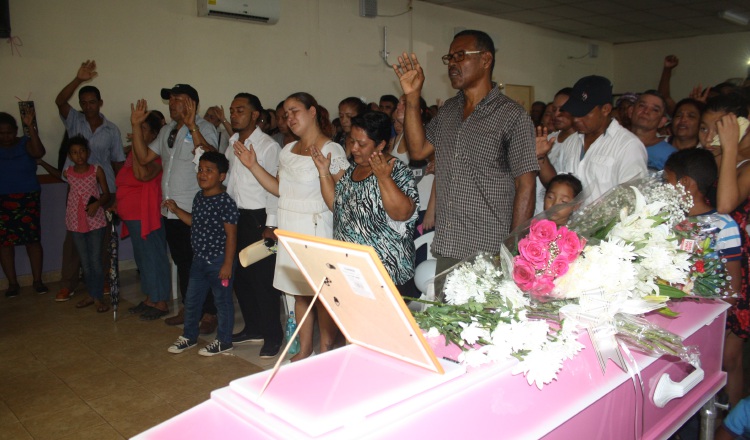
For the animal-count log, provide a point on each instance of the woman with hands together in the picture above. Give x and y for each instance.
(374, 203)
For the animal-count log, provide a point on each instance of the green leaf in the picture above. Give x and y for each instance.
(670, 291)
(669, 313)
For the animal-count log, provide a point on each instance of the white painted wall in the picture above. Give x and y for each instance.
(708, 60)
(319, 46)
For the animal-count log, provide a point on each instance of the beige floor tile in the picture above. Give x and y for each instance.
(67, 421)
(183, 403)
(95, 386)
(24, 362)
(136, 423)
(14, 431)
(103, 379)
(29, 384)
(100, 432)
(6, 416)
(83, 368)
(154, 371)
(125, 402)
(44, 404)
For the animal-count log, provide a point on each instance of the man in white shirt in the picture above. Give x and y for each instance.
(606, 154)
(258, 300)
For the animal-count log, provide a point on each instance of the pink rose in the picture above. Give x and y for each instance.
(543, 230)
(543, 287)
(560, 266)
(524, 274)
(570, 245)
(534, 251)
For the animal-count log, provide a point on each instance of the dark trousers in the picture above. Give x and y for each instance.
(178, 239)
(259, 301)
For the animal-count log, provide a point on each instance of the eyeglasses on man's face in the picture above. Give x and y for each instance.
(458, 56)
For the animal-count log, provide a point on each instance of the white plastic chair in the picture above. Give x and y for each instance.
(424, 274)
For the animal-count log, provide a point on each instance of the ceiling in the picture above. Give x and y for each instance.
(615, 21)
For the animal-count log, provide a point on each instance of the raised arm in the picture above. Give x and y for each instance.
(327, 183)
(34, 147)
(250, 161)
(734, 185)
(398, 205)
(543, 147)
(141, 153)
(411, 77)
(188, 117)
(86, 72)
(670, 62)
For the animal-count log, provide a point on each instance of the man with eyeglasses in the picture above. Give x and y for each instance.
(485, 151)
(178, 145)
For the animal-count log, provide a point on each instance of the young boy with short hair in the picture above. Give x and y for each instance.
(696, 170)
(213, 224)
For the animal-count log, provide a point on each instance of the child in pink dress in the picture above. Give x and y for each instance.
(84, 217)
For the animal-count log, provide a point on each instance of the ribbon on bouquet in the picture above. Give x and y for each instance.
(596, 310)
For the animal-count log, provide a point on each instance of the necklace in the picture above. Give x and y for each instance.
(312, 144)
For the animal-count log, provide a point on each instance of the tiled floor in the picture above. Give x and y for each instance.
(72, 373)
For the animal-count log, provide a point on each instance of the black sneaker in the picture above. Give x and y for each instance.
(242, 337)
(181, 344)
(215, 348)
(140, 308)
(270, 350)
(13, 291)
(40, 288)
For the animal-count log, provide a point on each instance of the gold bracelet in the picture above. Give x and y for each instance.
(324, 175)
(194, 130)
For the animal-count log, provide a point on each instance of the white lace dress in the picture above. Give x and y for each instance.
(302, 209)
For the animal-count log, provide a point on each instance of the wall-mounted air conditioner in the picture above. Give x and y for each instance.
(260, 11)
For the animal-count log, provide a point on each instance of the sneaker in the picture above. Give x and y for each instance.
(13, 291)
(40, 288)
(242, 337)
(215, 348)
(63, 295)
(270, 350)
(181, 344)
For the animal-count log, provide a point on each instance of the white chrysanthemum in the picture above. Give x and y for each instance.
(540, 367)
(432, 333)
(472, 333)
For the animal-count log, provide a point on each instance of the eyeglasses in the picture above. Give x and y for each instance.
(458, 56)
(171, 138)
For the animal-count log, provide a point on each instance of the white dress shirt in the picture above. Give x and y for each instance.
(242, 186)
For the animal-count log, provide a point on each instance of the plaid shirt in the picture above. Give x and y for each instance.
(477, 160)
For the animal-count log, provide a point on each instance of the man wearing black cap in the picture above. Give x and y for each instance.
(607, 154)
(178, 143)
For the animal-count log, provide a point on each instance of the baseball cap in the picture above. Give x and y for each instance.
(180, 89)
(588, 92)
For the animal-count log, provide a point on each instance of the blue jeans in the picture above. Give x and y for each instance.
(89, 247)
(152, 261)
(204, 274)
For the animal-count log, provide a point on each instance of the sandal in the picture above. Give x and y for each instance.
(101, 307)
(85, 302)
(140, 308)
(153, 313)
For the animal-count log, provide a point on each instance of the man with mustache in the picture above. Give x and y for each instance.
(485, 151)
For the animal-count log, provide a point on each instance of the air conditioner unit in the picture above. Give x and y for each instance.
(261, 11)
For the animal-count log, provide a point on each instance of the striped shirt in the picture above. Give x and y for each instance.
(477, 160)
(728, 242)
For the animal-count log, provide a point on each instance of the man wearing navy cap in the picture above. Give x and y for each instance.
(178, 143)
(606, 154)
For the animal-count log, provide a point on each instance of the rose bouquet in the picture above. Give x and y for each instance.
(544, 255)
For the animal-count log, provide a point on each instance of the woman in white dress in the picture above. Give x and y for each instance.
(301, 205)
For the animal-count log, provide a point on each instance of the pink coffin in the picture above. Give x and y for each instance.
(486, 402)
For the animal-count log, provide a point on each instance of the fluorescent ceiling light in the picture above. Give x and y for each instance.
(735, 17)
